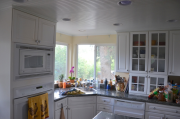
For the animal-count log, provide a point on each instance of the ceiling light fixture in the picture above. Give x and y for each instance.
(172, 20)
(82, 30)
(117, 24)
(66, 19)
(124, 2)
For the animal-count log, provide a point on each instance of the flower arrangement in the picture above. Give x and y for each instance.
(71, 71)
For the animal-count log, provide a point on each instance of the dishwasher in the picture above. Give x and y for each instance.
(129, 108)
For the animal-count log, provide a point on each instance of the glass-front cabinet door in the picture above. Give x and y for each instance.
(139, 52)
(137, 84)
(155, 81)
(158, 52)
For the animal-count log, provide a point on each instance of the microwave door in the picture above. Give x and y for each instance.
(32, 61)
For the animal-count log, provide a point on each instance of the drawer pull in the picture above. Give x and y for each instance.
(104, 108)
(104, 100)
(154, 108)
(176, 111)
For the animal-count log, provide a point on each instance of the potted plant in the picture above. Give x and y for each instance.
(71, 77)
(60, 83)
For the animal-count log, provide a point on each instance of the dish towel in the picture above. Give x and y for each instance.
(62, 114)
(38, 107)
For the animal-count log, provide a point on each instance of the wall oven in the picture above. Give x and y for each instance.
(31, 61)
(22, 94)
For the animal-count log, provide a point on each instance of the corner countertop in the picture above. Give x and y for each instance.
(112, 94)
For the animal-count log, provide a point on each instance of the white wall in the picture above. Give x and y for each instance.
(5, 63)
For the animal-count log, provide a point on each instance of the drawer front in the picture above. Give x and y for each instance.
(81, 100)
(129, 112)
(105, 108)
(57, 104)
(129, 104)
(105, 100)
(162, 108)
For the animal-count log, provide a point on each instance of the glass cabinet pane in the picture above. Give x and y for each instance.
(153, 65)
(134, 87)
(135, 40)
(160, 81)
(140, 87)
(162, 39)
(141, 80)
(134, 79)
(135, 52)
(142, 65)
(142, 40)
(154, 52)
(161, 52)
(153, 80)
(135, 64)
(154, 39)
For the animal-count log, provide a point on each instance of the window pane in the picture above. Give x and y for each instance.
(105, 62)
(86, 61)
(60, 61)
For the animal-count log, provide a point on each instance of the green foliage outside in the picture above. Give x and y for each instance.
(60, 61)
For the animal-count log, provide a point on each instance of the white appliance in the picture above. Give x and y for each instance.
(22, 94)
(129, 108)
(32, 61)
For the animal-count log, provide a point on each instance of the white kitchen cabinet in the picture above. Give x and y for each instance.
(138, 83)
(154, 81)
(172, 117)
(122, 50)
(30, 29)
(86, 111)
(58, 113)
(46, 32)
(139, 52)
(174, 57)
(158, 52)
(150, 115)
(25, 28)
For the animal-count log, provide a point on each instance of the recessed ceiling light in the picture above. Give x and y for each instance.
(66, 19)
(117, 24)
(172, 20)
(82, 30)
(124, 2)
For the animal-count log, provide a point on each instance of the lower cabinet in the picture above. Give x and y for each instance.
(152, 115)
(172, 117)
(58, 113)
(87, 111)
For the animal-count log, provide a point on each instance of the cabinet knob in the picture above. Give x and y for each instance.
(154, 108)
(176, 111)
(104, 108)
(170, 72)
(36, 41)
(104, 100)
(39, 41)
(127, 70)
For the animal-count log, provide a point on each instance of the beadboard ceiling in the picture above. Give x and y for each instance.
(98, 16)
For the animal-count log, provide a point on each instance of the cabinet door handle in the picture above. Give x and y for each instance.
(176, 111)
(104, 108)
(36, 41)
(127, 70)
(104, 100)
(154, 108)
(170, 72)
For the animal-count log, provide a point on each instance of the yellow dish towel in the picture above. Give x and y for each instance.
(38, 107)
(44, 106)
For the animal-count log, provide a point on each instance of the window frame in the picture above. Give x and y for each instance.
(95, 54)
(67, 57)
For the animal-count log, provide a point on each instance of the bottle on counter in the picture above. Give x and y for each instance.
(110, 82)
(105, 83)
(64, 84)
(161, 96)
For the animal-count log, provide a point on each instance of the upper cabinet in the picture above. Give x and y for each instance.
(174, 57)
(25, 27)
(32, 30)
(122, 57)
(158, 52)
(46, 34)
(139, 52)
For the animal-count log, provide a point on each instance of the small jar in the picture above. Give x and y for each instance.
(161, 96)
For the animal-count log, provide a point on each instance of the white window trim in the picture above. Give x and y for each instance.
(95, 53)
(67, 56)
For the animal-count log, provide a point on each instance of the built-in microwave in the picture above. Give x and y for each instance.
(31, 61)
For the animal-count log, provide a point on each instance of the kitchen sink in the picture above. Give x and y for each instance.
(86, 89)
